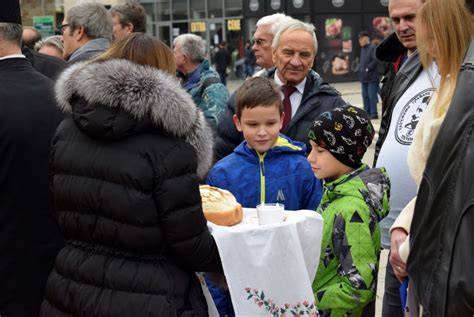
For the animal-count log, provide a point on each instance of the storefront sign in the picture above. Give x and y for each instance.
(254, 5)
(44, 24)
(233, 25)
(298, 4)
(275, 4)
(198, 27)
(254, 8)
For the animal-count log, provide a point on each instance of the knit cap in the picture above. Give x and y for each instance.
(345, 132)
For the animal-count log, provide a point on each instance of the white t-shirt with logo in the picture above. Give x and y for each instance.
(393, 154)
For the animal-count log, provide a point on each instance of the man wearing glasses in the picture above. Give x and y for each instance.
(87, 31)
(266, 30)
(305, 95)
(227, 135)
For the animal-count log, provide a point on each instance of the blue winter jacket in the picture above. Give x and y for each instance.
(281, 175)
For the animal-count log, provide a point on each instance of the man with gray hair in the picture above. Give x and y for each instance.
(227, 135)
(127, 18)
(87, 31)
(199, 79)
(29, 240)
(267, 28)
(305, 95)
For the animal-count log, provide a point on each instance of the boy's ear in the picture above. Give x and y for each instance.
(237, 123)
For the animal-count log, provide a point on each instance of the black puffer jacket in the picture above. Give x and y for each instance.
(126, 165)
(442, 253)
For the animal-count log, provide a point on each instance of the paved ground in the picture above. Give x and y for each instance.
(351, 92)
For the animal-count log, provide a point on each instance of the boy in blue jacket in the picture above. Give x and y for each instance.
(267, 166)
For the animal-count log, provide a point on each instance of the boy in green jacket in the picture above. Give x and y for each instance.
(355, 199)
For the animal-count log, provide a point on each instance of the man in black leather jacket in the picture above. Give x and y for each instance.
(402, 84)
(441, 257)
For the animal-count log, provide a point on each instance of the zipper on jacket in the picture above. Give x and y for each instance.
(261, 158)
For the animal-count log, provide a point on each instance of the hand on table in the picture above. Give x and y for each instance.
(398, 236)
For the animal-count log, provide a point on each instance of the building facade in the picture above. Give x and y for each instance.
(213, 20)
(337, 22)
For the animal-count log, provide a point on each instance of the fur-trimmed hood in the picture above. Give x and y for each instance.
(117, 98)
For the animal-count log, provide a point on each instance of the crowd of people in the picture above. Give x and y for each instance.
(106, 134)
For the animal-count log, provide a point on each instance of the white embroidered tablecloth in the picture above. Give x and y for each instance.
(270, 269)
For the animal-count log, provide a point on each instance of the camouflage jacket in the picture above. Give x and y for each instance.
(351, 207)
(209, 95)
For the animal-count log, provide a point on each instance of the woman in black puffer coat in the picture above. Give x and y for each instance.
(126, 164)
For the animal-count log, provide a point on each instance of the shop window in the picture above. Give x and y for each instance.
(150, 11)
(215, 8)
(180, 9)
(198, 9)
(233, 8)
(163, 10)
(163, 33)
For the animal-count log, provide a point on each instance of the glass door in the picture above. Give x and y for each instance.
(215, 34)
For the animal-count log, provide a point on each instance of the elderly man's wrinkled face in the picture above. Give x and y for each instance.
(262, 46)
(294, 56)
(403, 13)
(180, 58)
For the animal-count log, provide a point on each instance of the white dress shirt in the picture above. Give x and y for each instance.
(295, 97)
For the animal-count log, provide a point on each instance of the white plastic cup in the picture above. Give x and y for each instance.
(270, 213)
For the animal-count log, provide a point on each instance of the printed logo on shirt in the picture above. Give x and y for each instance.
(410, 116)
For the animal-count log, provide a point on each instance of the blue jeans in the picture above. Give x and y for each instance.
(370, 97)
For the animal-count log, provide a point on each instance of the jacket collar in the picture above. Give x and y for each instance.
(95, 45)
(283, 144)
(390, 49)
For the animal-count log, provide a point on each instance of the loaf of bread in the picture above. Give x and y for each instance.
(220, 206)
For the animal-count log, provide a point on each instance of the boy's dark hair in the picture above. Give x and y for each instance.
(257, 91)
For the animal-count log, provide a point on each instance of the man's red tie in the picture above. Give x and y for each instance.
(287, 91)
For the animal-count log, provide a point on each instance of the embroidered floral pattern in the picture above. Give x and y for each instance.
(306, 308)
